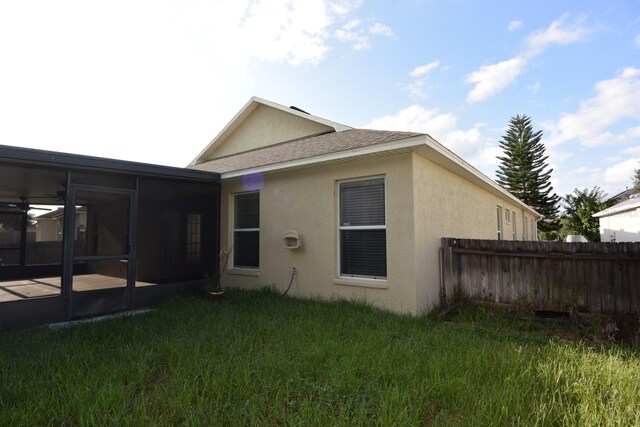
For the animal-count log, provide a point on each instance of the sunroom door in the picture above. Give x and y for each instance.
(102, 272)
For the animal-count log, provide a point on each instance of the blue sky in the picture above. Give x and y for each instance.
(156, 81)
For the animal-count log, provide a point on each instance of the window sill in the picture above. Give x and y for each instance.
(365, 283)
(244, 272)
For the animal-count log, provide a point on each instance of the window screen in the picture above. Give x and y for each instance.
(194, 229)
(363, 235)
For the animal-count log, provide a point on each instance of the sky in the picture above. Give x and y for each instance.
(155, 81)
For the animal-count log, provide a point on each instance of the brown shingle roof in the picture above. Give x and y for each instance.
(333, 142)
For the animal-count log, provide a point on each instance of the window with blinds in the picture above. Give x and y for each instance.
(246, 230)
(363, 229)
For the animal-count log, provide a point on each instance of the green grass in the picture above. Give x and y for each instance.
(260, 359)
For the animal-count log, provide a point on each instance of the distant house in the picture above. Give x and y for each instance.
(49, 225)
(356, 213)
(621, 222)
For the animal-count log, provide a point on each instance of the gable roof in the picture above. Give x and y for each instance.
(246, 111)
(305, 148)
(340, 144)
(630, 204)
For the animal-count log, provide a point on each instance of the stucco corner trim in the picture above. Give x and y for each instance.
(364, 283)
(244, 272)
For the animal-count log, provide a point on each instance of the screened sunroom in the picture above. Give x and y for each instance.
(82, 236)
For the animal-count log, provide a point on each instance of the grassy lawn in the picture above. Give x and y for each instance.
(260, 359)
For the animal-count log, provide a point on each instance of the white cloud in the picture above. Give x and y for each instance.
(358, 39)
(615, 100)
(514, 25)
(381, 30)
(115, 79)
(353, 33)
(620, 175)
(534, 88)
(493, 78)
(422, 70)
(632, 150)
(471, 144)
(558, 33)
(636, 41)
(355, 22)
(416, 88)
(286, 30)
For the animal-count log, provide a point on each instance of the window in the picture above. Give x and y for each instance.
(363, 228)
(499, 221)
(194, 224)
(534, 233)
(507, 216)
(515, 225)
(524, 227)
(246, 230)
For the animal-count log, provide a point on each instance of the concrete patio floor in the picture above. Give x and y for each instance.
(16, 290)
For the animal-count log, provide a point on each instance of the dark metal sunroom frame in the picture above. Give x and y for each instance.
(59, 308)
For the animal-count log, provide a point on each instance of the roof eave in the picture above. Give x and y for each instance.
(22, 155)
(458, 163)
(413, 142)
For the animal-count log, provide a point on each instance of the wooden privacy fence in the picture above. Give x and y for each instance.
(590, 277)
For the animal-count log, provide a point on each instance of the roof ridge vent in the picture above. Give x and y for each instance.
(293, 107)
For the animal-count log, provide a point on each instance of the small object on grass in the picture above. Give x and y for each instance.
(449, 312)
(215, 295)
(552, 314)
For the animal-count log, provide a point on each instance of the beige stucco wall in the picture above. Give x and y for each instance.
(306, 200)
(447, 205)
(47, 230)
(425, 202)
(266, 126)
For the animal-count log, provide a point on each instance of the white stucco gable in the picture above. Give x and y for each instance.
(261, 123)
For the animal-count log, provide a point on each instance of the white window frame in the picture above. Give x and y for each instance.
(240, 230)
(358, 279)
(499, 221)
(515, 225)
(507, 216)
(534, 230)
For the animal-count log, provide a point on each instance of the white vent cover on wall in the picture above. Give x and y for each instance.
(291, 239)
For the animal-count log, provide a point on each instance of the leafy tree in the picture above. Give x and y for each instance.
(580, 207)
(636, 180)
(524, 172)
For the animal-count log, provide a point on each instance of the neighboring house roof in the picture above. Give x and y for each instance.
(57, 213)
(303, 148)
(632, 203)
(624, 195)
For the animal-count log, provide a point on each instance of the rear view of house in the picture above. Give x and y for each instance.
(356, 213)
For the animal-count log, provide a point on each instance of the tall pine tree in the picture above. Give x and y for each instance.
(524, 172)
